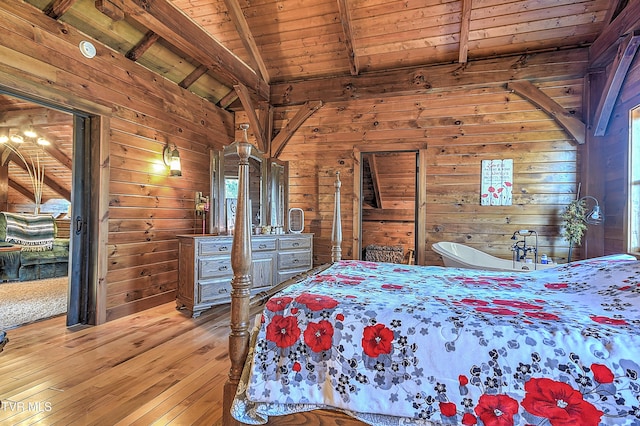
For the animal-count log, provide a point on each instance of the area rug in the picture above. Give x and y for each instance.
(29, 301)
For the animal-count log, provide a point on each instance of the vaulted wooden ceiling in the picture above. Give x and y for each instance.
(232, 52)
(55, 159)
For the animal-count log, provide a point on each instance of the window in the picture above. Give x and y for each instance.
(633, 213)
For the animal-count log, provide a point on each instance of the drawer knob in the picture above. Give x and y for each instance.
(223, 248)
(262, 246)
(222, 290)
(295, 260)
(296, 244)
(223, 268)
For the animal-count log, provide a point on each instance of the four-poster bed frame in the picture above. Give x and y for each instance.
(242, 303)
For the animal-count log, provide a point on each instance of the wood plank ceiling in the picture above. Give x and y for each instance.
(56, 127)
(217, 48)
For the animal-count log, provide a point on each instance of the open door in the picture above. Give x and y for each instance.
(68, 161)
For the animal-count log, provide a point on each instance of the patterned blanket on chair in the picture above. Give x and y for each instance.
(33, 233)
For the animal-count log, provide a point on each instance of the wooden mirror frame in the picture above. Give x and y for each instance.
(229, 154)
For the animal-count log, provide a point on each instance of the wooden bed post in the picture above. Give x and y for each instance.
(336, 232)
(241, 282)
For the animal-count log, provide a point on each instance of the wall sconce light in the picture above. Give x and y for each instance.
(172, 159)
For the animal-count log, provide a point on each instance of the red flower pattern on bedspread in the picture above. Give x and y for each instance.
(559, 403)
(318, 336)
(376, 340)
(284, 331)
(317, 302)
(458, 349)
(601, 373)
(277, 304)
(496, 410)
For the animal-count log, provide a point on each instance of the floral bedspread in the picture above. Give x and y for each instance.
(398, 344)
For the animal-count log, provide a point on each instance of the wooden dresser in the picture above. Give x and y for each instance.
(204, 268)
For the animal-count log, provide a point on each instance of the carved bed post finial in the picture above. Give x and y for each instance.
(336, 232)
(241, 282)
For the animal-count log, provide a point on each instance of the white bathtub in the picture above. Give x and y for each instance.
(461, 256)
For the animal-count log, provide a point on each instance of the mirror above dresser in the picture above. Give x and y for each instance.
(268, 189)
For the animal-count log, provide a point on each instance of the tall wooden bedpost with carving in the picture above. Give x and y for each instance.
(336, 232)
(241, 282)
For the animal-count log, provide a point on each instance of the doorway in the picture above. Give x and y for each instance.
(389, 206)
(47, 173)
(388, 213)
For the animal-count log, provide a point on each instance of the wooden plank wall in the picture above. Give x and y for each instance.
(462, 125)
(607, 176)
(39, 56)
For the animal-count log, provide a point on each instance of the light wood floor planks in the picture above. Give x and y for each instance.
(157, 367)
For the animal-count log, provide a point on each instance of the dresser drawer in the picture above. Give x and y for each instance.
(294, 260)
(295, 243)
(214, 267)
(263, 244)
(211, 247)
(209, 291)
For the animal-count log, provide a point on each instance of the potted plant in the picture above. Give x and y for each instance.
(574, 224)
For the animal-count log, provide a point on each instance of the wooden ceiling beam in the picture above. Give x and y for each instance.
(164, 19)
(604, 48)
(249, 43)
(615, 77)
(465, 21)
(6, 157)
(60, 156)
(21, 189)
(228, 99)
(52, 184)
(265, 116)
(558, 65)
(254, 121)
(345, 20)
(570, 123)
(57, 8)
(109, 8)
(38, 116)
(195, 75)
(281, 139)
(142, 46)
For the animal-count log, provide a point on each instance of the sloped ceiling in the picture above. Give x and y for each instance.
(55, 159)
(220, 49)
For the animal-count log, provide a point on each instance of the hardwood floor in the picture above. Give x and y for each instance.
(157, 367)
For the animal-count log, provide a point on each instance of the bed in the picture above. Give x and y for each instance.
(380, 343)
